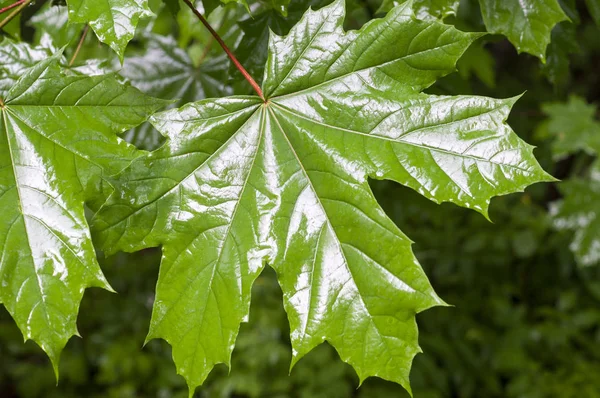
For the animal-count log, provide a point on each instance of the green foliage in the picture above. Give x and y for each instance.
(114, 21)
(241, 183)
(526, 23)
(574, 127)
(252, 50)
(235, 183)
(51, 164)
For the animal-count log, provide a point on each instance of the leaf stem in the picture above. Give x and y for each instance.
(21, 4)
(76, 53)
(10, 7)
(232, 57)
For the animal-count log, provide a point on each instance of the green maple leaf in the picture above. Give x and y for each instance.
(241, 183)
(114, 21)
(527, 23)
(58, 145)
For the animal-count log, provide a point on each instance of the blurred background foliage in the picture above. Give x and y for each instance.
(525, 289)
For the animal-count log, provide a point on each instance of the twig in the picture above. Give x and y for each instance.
(76, 53)
(10, 7)
(21, 5)
(232, 57)
(206, 50)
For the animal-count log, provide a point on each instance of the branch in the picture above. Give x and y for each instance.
(10, 7)
(21, 5)
(83, 35)
(232, 57)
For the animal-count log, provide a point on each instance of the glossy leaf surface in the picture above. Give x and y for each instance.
(527, 23)
(58, 144)
(241, 183)
(16, 58)
(114, 21)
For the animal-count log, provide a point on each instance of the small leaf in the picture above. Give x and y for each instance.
(479, 62)
(526, 23)
(242, 182)
(578, 211)
(573, 126)
(173, 6)
(57, 147)
(563, 44)
(114, 21)
(594, 8)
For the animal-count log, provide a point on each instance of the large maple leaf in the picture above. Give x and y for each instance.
(243, 182)
(58, 146)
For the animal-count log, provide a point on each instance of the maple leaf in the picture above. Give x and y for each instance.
(527, 23)
(114, 21)
(58, 145)
(242, 182)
